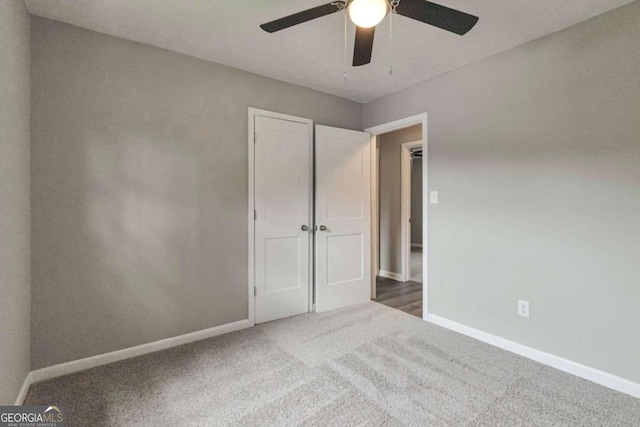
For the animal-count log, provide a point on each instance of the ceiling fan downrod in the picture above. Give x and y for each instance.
(393, 4)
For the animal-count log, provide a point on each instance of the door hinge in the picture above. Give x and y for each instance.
(255, 215)
(255, 291)
(255, 137)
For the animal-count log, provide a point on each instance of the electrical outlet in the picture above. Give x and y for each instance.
(523, 308)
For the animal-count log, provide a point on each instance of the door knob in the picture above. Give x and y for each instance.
(304, 228)
(323, 228)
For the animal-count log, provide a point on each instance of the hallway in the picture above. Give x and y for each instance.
(403, 296)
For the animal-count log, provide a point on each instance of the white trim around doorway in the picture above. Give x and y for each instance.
(405, 206)
(389, 127)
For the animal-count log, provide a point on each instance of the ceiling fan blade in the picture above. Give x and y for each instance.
(363, 46)
(304, 16)
(437, 15)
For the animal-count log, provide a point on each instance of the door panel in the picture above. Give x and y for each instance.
(343, 206)
(282, 262)
(345, 182)
(282, 200)
(340, 248)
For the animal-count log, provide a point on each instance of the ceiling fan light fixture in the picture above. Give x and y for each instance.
(368, 13)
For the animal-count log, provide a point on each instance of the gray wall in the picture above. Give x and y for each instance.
(389, 195)
(14, 198)
(536, 157)
(139, 190)
(416, 201)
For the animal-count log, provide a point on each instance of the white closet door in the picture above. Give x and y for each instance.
(283, 171)
(343, 217)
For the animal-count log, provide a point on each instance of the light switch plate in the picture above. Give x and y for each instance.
(433, 197)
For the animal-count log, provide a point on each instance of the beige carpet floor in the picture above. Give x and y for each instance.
(367, 365)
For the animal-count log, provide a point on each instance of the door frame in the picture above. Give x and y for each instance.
(385, 128)
(251, 141)
(405, 205)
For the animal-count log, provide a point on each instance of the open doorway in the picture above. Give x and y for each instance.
(411, 218)
(399, 220)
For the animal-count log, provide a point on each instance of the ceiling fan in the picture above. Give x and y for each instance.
(366, 14)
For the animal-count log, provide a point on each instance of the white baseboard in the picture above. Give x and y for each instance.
(23, 390)
(594, 375)
(127, 353)
(416, 245)
(391, 275)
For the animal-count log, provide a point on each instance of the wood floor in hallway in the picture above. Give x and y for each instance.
(404, 296)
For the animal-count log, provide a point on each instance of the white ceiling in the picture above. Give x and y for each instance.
(312, 54)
